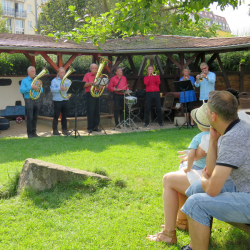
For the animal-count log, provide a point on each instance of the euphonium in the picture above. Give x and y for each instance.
(97, 89)
(66, 83)
(35, 93)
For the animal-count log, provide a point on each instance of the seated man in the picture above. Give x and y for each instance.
(229, 205)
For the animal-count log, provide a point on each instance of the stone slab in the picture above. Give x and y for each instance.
(39, 175)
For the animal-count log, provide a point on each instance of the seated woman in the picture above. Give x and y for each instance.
(174, 186)
(190, 95)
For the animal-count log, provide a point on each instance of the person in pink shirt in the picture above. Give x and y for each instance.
(93, 113)
(117, 85)
(152, 94)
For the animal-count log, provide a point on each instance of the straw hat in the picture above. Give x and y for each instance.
(200, 116)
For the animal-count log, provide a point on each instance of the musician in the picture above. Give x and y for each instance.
(152, 94)
(32, 107)
(93, 113)
(61, 105)
(207, 83)
(117, 85)
(190, 96)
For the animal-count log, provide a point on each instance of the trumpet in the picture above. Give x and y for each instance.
(200, 79)
(154, 73)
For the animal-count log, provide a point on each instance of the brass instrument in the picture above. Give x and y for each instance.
(200, 79)
(97, 89)
(35, 93)
(154, 73)
(66, 83)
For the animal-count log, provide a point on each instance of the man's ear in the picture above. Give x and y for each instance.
(214, 116)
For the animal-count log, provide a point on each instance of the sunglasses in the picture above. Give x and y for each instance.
(204, 68)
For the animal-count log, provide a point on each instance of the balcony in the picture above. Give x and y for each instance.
(20, 1)
(21, 13)
(9, 12)
(19, 30)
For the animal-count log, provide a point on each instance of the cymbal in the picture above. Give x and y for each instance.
(128, 91)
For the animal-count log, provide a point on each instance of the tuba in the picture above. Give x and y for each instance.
(35, 93)
(98, 87)
(66, 83)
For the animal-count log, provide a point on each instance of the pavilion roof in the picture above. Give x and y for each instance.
(138, 44)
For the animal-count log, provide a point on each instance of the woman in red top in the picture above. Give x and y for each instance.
(152, 94)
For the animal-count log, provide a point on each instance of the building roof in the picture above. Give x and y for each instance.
(136, 45)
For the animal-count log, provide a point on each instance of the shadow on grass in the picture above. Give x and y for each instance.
(46, 146)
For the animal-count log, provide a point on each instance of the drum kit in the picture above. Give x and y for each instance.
(130, 101)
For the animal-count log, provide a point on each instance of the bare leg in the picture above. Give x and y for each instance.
(199, 235)
(192, 121)
(182, 200)
(173, 183)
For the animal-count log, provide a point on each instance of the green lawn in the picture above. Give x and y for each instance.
(90, 215)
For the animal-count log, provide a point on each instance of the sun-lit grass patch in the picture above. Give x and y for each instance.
(91, 214)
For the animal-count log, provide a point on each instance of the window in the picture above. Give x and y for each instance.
(30, 25)
(5, 82)
(6, 5)
(28, 8)
(19, 27)
(8, 24)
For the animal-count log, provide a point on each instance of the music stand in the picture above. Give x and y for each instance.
(181, 86)
(99, 124)
(76, 88)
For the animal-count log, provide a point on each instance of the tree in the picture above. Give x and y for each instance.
(3, 27)
(56, 16)
(133, 17)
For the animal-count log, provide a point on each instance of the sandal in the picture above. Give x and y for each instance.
(170, 234)
(182, 224)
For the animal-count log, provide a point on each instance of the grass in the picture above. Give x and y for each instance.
(90, 214)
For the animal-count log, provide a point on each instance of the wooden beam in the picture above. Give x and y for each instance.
(31, 58)
(117, 62)
(152, 62)
(223, 72)
(197, 60)
(241, 87)
(190, 60)
(213, 57)
(203, 57)
(93, 59)
(48, 59)
(110, 58)
(130, 59)
(59, 60)
(173, 60)
(144, 61)
(158, 63)
(71, 59)
(167, 68)
(181, 56)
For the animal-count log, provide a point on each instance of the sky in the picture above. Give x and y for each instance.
(238, 19)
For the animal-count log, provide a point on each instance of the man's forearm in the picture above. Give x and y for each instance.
(211, 156)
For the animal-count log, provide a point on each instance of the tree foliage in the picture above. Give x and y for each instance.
(3, 28)
(133, 17)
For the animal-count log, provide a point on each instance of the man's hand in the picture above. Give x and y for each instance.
(214, 134)
(33, 86)
(186, 170)
(63, 88)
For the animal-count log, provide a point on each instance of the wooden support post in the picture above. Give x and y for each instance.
(197, 60)
(144, 61)
(224, 73)
(167, 68)
(241, 87)
(203, 58)
(173, 60)
(190, 60)
(48, 59)
(130, 59)
(181, 56)
(106, 66)
(71, 59)
(93, 59)
(110, 58)
(213, 57)
(31, 58)
(152, 62)
(117, 62)
(59, 60)
(158, 63)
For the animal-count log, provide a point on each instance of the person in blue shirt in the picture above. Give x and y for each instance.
(61, 105)
(207, 83)
(190, 96)
(32, 107)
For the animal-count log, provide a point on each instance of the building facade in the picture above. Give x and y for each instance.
(21, 15)
(224, 30)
